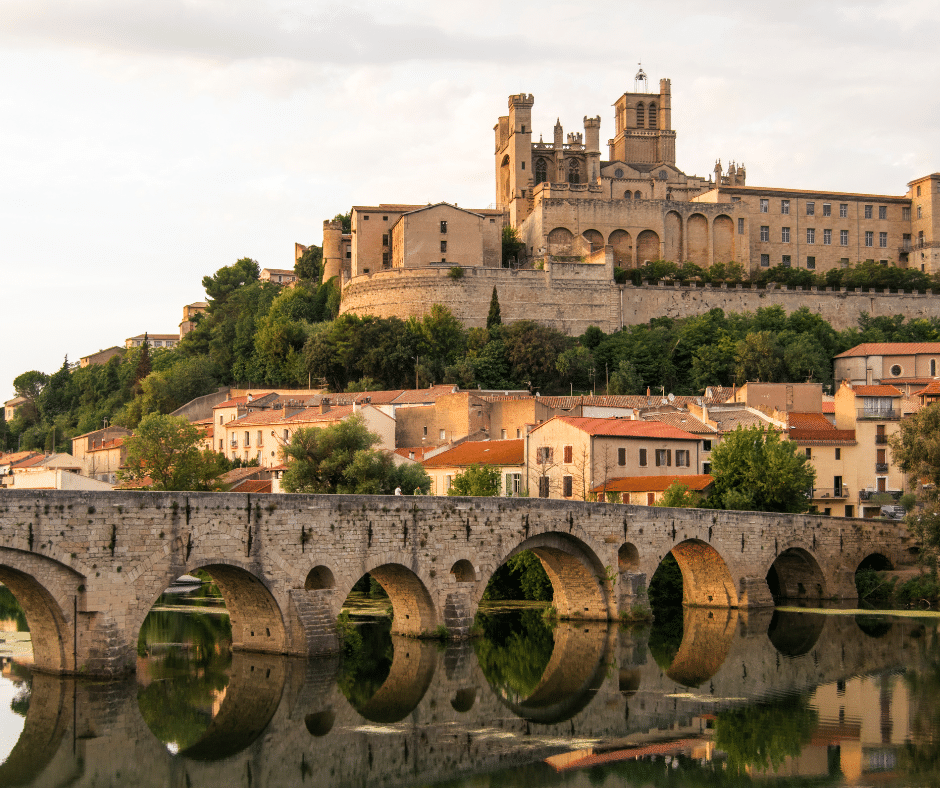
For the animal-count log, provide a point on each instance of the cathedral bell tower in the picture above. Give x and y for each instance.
(514, 176)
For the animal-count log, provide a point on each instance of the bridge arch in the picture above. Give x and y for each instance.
(255, 615)
(877, 561)
(50, 594)
(706, 580)
(578, 577)
(795, 574)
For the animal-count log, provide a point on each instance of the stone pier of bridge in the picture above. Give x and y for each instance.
(88, 567)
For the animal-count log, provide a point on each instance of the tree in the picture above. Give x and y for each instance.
(166, 449)
(29, 386)
(678, 496)
(482, 480)
(625, 380)
(493, 318)
(144, 365)
(309, 265)
(755, 470)
(512, 247)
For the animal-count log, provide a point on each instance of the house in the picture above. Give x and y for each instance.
(11, 406)
(278, 276)
(506, 455)
(154, 340)
(894, 363)
(833, 453)
(568, 456)
(190, 314)
(648, 490)
(687, 422)
(53, 472)
(101, 357)
(101, 452)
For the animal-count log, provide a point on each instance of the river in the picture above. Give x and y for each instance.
(702, 698)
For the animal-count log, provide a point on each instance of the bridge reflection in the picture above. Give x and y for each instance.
(438, 713)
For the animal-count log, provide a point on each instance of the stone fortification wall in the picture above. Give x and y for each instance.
(573, 296)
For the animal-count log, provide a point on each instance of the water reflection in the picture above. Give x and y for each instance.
(795, 699)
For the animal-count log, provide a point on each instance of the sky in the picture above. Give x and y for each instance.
(146, 145)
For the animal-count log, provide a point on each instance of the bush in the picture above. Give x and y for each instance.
(913, 591)
(874, 586)
(456, 272)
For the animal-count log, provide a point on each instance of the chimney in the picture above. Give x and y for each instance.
(324, 405)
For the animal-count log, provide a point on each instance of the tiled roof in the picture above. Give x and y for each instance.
(258, 417)
(417, 396)
(933, 390)
(682, 421)
(231, 403)
(891, 349)
(624, 428)
(633, 401)
(29, 462)
(732, 418)
(313, 414)
(876, 391)
(829, 407)
(108, 444)
(349, 397)
(418, 451)
(17, 456)
(822, 437)
(694, 481)
(808, 421)
(510, 452)
(238, 474)
(717, 395)
(252, 486)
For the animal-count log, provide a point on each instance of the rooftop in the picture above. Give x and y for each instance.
(891, 349)
(876, 391)
(510, 452)
(694, 481)
(623, 428)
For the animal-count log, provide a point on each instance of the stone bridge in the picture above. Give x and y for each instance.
(436, 717)
(88, 567)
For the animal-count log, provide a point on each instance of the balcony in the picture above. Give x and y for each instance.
(881, 467)
(830, 492)
(881, 414)
(881, 440)
(867, 495)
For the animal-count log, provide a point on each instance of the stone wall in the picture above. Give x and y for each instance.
(571, 297)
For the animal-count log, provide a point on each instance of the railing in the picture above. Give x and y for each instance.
(881, 414)
(234, 444)
(867, 495)
(881, 467)
(881, 440)
(910, 246)
(830, 492)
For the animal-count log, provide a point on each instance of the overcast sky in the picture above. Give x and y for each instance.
(147, 144)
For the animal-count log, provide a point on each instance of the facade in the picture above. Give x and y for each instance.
(892, 363)
(154, 340)
(190, 313)
(11, 406)
(101, 357)
(648, 490)
(506, 455)
(101, 453)
(278, 276)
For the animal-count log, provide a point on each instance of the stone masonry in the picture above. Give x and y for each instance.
(88, 567)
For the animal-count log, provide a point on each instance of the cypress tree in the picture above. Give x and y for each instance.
(493, 318)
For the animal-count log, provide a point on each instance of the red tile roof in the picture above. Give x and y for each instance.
(808, 421)
(108, 444)
(17, 456)
(891, 349)
(257, 417)
(876, 391)
(418, 396)
(252, 486)
(418, 451)
(682, 420)
(632, 401)
(694, 481)
(237, 475)
(313, 414)
(829, 407)
(29, 462)
(624, 428)
(933, 390)
(822, 437)
(510, 452)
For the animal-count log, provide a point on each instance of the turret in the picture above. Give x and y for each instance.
(559, 135)
(592, 134)
(665, 104)
(332, 249)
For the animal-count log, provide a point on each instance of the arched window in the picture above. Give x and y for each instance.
(637, 196)
(640, 116)
(574, 171)
(933, 367)
(627, 195)
(541, 171)
(652, 116)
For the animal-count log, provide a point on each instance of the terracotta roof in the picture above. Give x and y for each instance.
(694, 481)
(891, 349)
(349, 397)
(236, 401)
(732, 418)
(509, 452)
(252, 486)
(17, 456)
(238, 474)
(932, 390)
(624, 428)
(417, 396)
(822, 437)
(418, 451)
(313, 414)
(876, 391)
(29, 462)
(108, 444)
(682, 421)
(808, 421)
(257, 417)
(633, 401)
(717, 395)
(829, 407)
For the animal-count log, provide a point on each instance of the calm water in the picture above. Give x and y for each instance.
(701, 699)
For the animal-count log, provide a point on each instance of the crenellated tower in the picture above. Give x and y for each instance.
(332, 249)
(514, 177)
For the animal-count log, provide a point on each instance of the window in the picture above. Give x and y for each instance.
(365, 218)
(566, 486)
(810, 209)
(810, 235)
(838, 454)
(642, 458)
(641, 117)
(384, 239)
(882, 211)
(443, 226)
(663, 457)
(443, 435)
(513, 484)
(765, 260)
(811, 263)
(637, 195)
(544, 454)
(425, 430)
(652, 117)
(574, 171)
(784, 206)
(785, 234)
(523, 163)
(849, 511)
(247, 439)
(541, 171)
(827, 237)
(906, 213)
(221, 419)
(706, 445)
(443, 246)
(933, 367)
(384, 218)
(896, 370)
(920, 214)
(765, 232)
(221, 444)
(258, 439)
(740, 226)
(569, 452)
(843, 237)
(706, 467)
(869, 238)
(785, 261)
(650, 498)
(622, 456)
(502, 435)
(868, 212)
(764, 206)
(682, 458)
(827, 209)
(385, 259)
(883, 240)
(286, 436)
(543, 487)
(809, 453)
(735, 199)
(918, 191)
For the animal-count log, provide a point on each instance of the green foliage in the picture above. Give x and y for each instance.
(532, 351)
(493, 317)
(762, 736)
(679, 496)
(513, 652)
(874, 586)
(346, 219)
(482, 480)
(512, 247)
(165, 448)
(575, 366)
(755, 470)
(521, 577)
(455, 272)
(309, 266)
(625, 380)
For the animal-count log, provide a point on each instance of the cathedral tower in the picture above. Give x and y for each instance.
(643, 125)
(514, 157)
